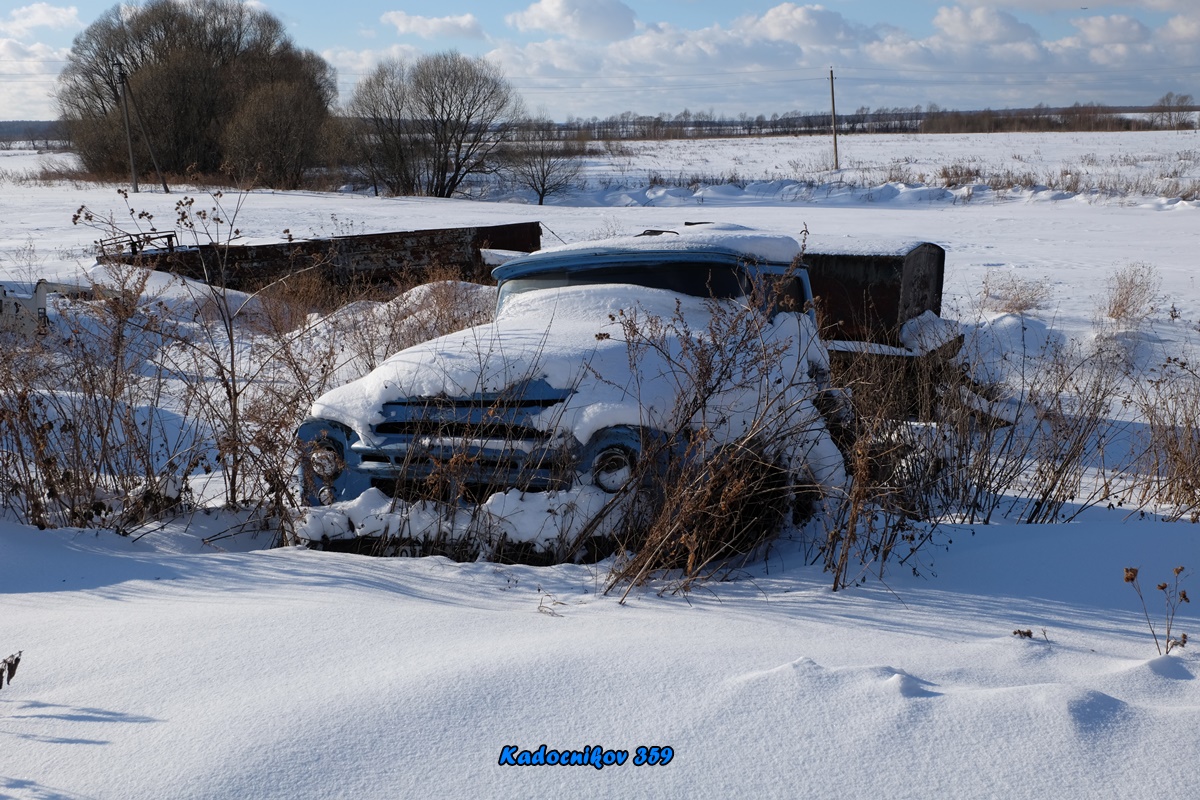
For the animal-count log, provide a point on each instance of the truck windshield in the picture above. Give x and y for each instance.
(720, 281)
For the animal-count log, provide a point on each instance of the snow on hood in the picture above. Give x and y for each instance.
(571, 338)
(550, 334)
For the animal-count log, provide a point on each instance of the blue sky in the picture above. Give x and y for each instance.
(600, 57)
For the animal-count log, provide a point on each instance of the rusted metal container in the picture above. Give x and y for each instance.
(865, 291)
(386, 258)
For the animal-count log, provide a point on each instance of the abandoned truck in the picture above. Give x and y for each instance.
(607, 361)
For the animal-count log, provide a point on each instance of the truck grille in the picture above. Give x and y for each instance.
(465, 449)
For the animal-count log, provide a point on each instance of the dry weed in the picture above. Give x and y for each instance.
(1131, 294)
(1170, 469)
(1010, 293)
(707, 495)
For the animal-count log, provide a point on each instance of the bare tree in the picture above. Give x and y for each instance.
(427, 127)
(541, 161)
(192, 67)
(466, 109)
(1174, 111)
(387, 143)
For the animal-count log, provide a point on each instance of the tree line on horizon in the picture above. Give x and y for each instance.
(216, 89)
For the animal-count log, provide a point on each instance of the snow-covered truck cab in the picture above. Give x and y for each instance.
(550, 397)
(711, 271)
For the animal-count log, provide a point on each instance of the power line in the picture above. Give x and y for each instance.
(654, 88)
(1048, 73)
(986, 83)
(1020, 78)
(738, 72)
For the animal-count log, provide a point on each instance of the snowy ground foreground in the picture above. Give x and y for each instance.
(167, 669)
(295, 674)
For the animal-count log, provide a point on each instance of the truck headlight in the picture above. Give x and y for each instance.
(612, 468)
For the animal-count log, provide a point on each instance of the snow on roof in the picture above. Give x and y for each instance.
(494, 258)
(852, 244)
(736, 240)
(725, 237)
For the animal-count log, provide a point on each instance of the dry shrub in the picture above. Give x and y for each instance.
(1056, 458)
(134, 394)
(959, 173)
(707, 511)
(902, 450)
(709, 496)
(1010, 293)
(1071, 399)
(1011, 179)
(932, 444)
(1173, 595)
(1170, 467)
(88, 435)
(151, 390)
(1131, 294)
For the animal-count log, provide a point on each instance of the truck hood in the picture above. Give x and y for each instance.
(570, 338)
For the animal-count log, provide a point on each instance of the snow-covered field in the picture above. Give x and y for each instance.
(1152, 162)
(165, 668)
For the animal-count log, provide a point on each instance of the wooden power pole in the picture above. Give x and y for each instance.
(126, 93)
(833, 114)
(128, 134)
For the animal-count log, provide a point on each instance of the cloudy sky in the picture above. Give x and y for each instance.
(600, 57)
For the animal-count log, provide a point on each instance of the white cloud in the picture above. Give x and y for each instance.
(982, 26)
(1163, 5)
(1115, 29)
(463, 25)
(353, 65)
(22, 21)
(550, 58)
(779, 60)
(26, 94)
(599, 20)
(1076, 5)
(357, 63)
(803, 25)
(1184, 28)
(1115, 56)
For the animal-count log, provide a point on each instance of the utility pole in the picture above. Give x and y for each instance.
(832, 111)
(146, 138)
(126, 96)
(128, 135)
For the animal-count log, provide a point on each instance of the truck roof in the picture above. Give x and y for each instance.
(700, 243)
